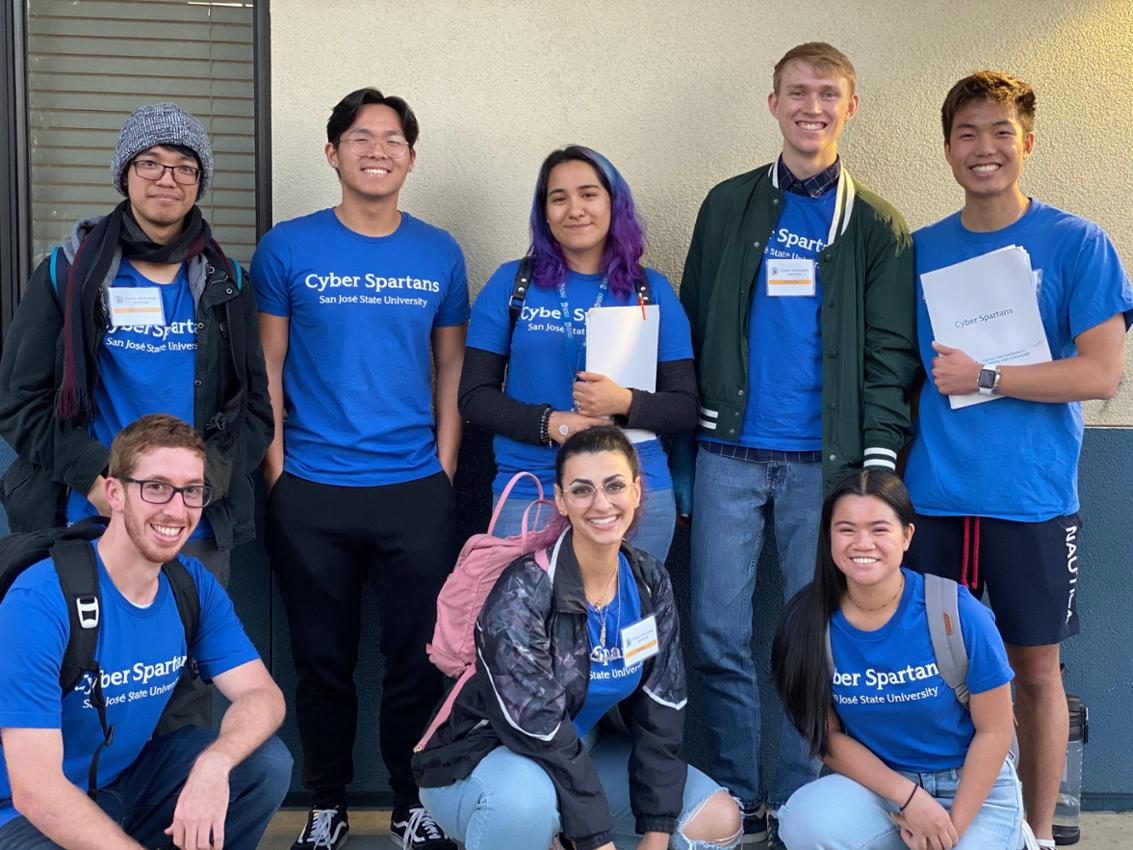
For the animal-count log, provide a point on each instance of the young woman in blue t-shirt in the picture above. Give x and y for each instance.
(586, 247)
(574, 718)
(912, 766)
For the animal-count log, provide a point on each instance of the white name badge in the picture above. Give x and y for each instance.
(136, 306)
(790, 277)
(639, 641)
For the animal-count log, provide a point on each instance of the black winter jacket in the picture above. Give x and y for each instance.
(231, 407)
(532, 673)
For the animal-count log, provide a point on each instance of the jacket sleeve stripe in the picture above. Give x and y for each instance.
(504, 711)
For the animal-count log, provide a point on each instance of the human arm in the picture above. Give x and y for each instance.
(1093, 372)
(922, 818)
(526, 703)
(448, 356)
(994, 719)
(670, 409)
(890, 360)
(28, 384)
(51, 802)
(483, 402)
(654, 715)
(274, 339)
(255, 712)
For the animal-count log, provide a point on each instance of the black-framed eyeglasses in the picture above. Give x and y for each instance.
(162, 492)
(148, 169)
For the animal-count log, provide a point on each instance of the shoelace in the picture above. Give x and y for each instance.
(420, 819)
(318, 828)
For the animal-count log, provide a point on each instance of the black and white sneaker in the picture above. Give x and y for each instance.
(413, 828)
(326, 829)
(754, 823)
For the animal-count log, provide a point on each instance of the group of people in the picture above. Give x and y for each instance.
(145, 377)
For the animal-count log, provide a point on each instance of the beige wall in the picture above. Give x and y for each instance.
(674, 93)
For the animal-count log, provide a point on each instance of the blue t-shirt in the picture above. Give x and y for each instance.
(145, 369)
(541, 366)
(610, 680)
(889, 694)
(140, 651)
(357, 379)
(1012, 459)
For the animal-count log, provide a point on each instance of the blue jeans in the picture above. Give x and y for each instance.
(141, 800)
(653, 532)
(731, 500)
(836, 813)
(509, 803)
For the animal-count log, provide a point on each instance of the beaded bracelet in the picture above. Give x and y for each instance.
(545, 426)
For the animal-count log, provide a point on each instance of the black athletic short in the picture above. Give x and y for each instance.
(1030, 570)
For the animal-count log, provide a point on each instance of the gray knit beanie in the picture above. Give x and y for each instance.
(161, 124)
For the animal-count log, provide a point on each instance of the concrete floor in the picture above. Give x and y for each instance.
(369, 831)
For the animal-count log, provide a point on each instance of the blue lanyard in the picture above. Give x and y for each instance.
(574, 356)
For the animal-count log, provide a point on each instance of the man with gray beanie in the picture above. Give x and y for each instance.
(138, 312)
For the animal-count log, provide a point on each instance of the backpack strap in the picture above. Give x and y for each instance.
(186, 596)
(642, 289)
(60, 268)
(942, 610)
(519, 291)
(77, 570)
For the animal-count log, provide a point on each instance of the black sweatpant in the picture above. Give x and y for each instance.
(325, 541)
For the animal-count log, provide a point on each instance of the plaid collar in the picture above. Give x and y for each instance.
(815, 186)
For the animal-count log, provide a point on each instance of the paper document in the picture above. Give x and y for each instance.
(988, 307)
(621, 344)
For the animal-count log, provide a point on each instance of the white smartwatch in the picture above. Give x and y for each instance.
(988, 380)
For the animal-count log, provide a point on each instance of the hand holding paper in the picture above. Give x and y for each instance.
(953, 371)
(597, 395)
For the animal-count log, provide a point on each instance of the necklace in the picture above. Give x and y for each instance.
(884, 604)
(603, 654)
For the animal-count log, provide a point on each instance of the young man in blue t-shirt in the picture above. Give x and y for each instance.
(798, 286)
(193, 788)
(995, 484)
(359, 303)
(138, 312)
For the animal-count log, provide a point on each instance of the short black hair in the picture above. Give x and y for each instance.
(345, 113)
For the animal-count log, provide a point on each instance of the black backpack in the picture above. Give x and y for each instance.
(77, 568)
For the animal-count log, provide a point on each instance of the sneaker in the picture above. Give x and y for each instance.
(754, 820)
(413, 828)
(773, 840)
(326, 829)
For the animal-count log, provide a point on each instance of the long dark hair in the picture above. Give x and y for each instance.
(799, 665)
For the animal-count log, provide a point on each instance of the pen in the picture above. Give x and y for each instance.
(641, 301)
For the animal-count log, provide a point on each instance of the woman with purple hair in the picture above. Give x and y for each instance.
(586, 248)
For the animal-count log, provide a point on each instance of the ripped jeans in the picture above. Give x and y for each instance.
(509, 803)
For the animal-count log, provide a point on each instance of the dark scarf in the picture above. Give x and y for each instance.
(82, 293)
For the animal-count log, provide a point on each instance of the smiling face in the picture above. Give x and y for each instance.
(158, 531)
(812, 107)
(867, 540)
(366, 158)
(599, 495)
(161, 205)
(987, 147)
(578, 213)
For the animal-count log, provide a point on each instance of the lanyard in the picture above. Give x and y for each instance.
(574, 355)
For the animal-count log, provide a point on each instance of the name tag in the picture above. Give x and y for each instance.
(790, 277)
(639, 641)
(136, 306)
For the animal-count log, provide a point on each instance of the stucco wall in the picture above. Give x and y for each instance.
(675, 94)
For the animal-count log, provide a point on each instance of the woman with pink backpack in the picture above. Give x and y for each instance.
(572, 722)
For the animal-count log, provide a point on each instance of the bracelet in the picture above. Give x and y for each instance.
(545, 426)
(912, 794)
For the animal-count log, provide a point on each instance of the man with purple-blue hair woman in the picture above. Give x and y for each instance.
(586, 249)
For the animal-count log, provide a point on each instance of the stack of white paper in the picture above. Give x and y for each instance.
(987, 307)
(621, 343)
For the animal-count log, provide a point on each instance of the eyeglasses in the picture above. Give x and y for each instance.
(582, 495)
(395, 147)
(162, 492)
(147, 169)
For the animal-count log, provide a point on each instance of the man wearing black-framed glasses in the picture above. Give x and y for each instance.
(194, 788)
(139, 312)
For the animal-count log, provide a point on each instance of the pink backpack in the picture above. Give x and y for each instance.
(482, 560)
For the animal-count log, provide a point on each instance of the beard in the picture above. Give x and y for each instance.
(152, 550)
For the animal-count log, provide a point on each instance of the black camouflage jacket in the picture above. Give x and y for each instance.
(532, 673)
